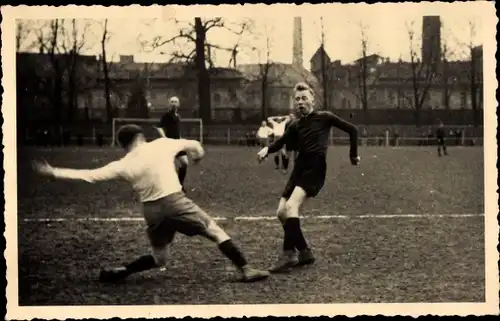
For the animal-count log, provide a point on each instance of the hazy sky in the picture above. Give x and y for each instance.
(386, 28)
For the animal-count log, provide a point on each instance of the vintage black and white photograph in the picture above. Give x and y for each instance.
(319, 156)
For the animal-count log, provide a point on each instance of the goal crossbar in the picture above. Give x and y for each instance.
(151, 121)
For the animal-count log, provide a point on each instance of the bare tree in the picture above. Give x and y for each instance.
(265, 70)
(325, 70)
(448, 79)
(105, 70)
(474, 72)
(72, 44)
(48, 38)
(23, 31)
(364, 73)
(195, 35)
(422, 75)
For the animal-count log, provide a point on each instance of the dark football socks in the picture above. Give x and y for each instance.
(288, 244)
(233, 253)
(285, 160)
(292, 226)
(145, 262)
(277, 161)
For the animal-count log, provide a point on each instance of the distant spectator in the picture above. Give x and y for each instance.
(79, 140)
(66, 137)
(100, 140)
(441, 139)
(364, 137)
(396, 138)
(458, 137)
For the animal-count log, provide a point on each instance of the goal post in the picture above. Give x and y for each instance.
(191, 128)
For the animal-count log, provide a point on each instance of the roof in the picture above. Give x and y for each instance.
(281, 74)
(319, 52)
(129, 69)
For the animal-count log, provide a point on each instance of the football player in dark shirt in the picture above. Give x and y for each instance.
(312, 129)
(169, 126)
(441, 137)
(291, 144)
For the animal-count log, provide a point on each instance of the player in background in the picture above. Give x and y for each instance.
(441, 137)
(279, 123)
(169, 127)
(308, 176)
(150, 169)
(264, 134)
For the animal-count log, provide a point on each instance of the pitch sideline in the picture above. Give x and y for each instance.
(255, 218)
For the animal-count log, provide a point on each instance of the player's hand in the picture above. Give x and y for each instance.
(355, 160)
(262, 154)
(43, 168)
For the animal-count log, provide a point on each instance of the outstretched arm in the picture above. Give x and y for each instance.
(192, 147)
(161, 131)
(276, 146)
(110, 171)
(347, 127)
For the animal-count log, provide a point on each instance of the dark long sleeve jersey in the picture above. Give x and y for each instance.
(170, 123)
(312, 133)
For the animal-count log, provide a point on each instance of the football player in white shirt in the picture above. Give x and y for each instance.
(264, 133)
(150, 169)
(279, 125)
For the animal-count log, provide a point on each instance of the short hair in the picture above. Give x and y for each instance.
(302, 86)
(127, 134)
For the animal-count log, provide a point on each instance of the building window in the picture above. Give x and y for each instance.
(284, 96)
(390, 97)
(372, 96)
(217, 98)
(463, 99)
(344, 103)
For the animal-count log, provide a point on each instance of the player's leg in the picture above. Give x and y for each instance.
(293, 228)
(285, 159)
(160, 234)
(440, 145)
(288, 258)
(443, 144)
(309, 183)
(192, 221)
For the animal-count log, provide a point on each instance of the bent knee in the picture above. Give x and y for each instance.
(215, 233)
(291, 208)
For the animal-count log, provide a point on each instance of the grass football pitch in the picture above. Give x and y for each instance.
(404, 226)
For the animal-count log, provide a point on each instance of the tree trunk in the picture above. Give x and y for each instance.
(473, 93)
(107, 83)
(72, 89)
(203, 77)
(263, 105)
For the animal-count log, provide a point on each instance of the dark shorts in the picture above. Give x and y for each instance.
(263, 142)
(290, 147)
(172, 214)
(309, 173)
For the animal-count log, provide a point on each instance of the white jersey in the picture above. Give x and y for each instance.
(278, 128)
(264, 132)
(150, 169)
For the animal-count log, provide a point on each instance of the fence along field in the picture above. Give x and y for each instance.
(193, 128)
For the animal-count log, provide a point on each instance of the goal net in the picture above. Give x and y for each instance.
(191, 128)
